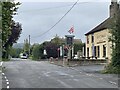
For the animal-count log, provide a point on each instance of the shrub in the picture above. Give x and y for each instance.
(112, 69)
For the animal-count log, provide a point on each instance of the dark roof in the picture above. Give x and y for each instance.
(104, 25)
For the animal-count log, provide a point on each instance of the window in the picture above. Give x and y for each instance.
(87, 52)
(104, 51)
(87, 40)
(92, 38)
(98, 47)
(95, 50)
(92, 50)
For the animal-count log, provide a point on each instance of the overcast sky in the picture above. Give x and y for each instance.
(38, 17)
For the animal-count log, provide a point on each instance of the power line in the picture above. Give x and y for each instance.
(45, 8)
(49, 8)
(24, 11)
(58, 20)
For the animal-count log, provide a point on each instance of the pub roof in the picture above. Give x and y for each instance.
(104, 25)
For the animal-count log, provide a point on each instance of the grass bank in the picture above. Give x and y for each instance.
(111, 70)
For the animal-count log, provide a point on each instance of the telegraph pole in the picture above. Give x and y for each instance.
(29, 45)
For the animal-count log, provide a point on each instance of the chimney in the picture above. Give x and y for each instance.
(113, 1)
(114, 7)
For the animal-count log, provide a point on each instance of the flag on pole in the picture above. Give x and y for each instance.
(71, 30)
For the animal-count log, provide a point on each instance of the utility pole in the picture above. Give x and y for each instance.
(29, 45)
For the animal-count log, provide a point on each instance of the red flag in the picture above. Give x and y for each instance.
(71, 30)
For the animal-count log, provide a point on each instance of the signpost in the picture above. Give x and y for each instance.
(68, 49)
(69, 42)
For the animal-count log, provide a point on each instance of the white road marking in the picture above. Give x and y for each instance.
(7, 82)
(46, 74)
(113, 82)
(101, 78)
(8, 87)
(3, 73)
(80, 72)
(5, 77)
(89, 74)
(63, 83)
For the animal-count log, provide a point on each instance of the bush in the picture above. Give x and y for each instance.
(37, 52)
(111, 70)
(15, 52)
(4, 59)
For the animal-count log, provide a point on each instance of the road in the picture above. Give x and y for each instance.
(41, 74)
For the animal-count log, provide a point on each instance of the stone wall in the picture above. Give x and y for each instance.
(77, 62)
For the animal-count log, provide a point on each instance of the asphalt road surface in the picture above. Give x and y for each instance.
(21, 73)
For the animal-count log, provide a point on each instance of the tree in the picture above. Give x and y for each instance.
(0, 31)
(115, 38)
(52, 50)
(15, 52)
(77, 47)
(0, 16)
(114, 66)
(15, 32)
(37, 51)
(57, 40)
(26, 46)
(10, 30)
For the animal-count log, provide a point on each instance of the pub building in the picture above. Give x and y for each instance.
(97, 40)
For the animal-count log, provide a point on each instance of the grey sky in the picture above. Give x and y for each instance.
(38, 17)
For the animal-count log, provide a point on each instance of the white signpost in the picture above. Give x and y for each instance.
(45, 53)
(61, 51)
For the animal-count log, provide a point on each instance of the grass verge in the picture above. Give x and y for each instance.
(111, 70)
(4, 59)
